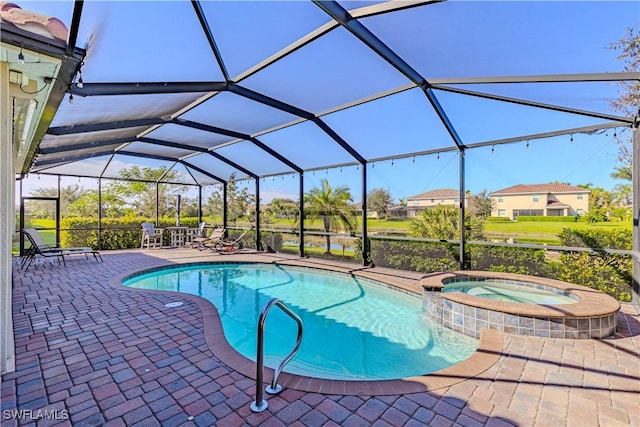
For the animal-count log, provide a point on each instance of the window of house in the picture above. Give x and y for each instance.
(580, 196)
(432, 200)
(536, 197)
(500, 199)
(502, 212)
(528, 212)
(580, 211)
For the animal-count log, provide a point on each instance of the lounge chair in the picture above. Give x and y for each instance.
(194, 235)
(151, 233)
(33, 251)
(39, 248)
(207, 242)
(227, 246)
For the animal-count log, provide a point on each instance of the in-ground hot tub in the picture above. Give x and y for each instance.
(468, 301)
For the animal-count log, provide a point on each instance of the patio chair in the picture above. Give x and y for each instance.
(207, 242)
(39, 248)
(195, 233)
(151, 233)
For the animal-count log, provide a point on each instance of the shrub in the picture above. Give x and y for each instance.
(117, 233)
(272, 240)
(609, 273)
(508, 259)
(525, 218)
(598, 272)
(595, 215)
(498, 219)
(616, 238)
(622, 214)
(420, 256)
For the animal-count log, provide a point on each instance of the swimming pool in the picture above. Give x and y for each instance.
(354, 328)
(509, 291)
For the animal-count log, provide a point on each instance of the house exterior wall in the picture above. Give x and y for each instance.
(429, 203)
(414, 206)
(7, 219)
(505, 205)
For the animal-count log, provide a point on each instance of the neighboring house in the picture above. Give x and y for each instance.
(370, 212)
(398, 211)
(433, 198)
(540, 200)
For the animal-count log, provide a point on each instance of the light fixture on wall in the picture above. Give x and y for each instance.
(21, 56)
(571, 140)
(25, 111)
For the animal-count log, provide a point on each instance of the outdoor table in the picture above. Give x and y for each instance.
(177, 235)
(191, 234)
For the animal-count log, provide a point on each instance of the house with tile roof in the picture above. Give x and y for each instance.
(553, 199)
(433, 198)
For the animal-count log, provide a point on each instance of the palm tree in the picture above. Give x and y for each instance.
(443, 222)
(333, 206)
(623, 194)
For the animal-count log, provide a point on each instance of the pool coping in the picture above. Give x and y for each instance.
(590, 303)
(486, 355)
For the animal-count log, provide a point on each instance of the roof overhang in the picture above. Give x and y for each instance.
(48, 69)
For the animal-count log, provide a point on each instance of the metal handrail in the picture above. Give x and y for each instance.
(260, 404)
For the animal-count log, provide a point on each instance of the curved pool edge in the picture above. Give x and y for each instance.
(489, 349)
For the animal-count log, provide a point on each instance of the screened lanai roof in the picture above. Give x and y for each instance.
(264, 88)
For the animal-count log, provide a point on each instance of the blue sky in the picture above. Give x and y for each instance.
(484, 38)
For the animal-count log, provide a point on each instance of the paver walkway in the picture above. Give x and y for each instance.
(104, 356)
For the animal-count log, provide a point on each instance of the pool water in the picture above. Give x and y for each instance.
(354, 328)
(509, 292)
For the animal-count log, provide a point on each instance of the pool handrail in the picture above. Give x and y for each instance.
(260, 404)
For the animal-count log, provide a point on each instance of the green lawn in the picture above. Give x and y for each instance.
(542, 232)
(523, 231)
(48, 236)
(548, 227)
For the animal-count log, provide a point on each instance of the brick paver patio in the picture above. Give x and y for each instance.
(100, 355)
